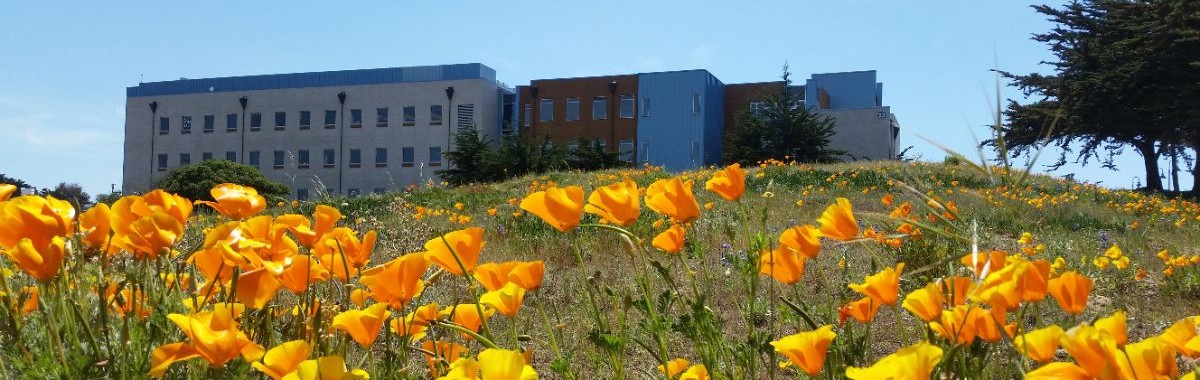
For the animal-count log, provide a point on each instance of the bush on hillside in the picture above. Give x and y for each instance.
(195, 181)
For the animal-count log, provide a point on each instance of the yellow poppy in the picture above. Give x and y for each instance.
(467, 315)
(257, 287)
(562, 208)
(95, 225)
(283, 359)
(1114, 327)
(674, 367)
(782, 265)
(6, 191)
(862, 310)
(506, 300)
(884, 286)
(837, 222)
(458, 251)
(235, 201)
(362, 325)
(913, 362)
(501, 364)
(804, 240)
(212, 335)
(925, 303)
(728, 183)
(696, 372)
(1180, 334)
(443, 351)
(1152, 359)
(673, 197)
(416, 322)
(1041, 344)
(616, 203)
(1071, 290)
(303, 272)
(1058, 371)
(807, 350)
(325, 368)
(398, 281)
(669, 241)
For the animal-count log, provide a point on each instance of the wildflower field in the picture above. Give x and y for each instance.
(882, 270)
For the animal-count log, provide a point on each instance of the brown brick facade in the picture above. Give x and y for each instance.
(611, 129)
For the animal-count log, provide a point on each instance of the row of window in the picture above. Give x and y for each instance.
(599, 108)
(303, 158)
(302, 193)
(305, 120)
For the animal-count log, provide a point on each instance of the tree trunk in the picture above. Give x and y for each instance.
(1150, 158)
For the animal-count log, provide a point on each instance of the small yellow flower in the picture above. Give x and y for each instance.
(768, 195)
(708, 206)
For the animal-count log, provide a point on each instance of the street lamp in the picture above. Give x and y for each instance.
(449, 112)
(242, 156)
(341, 96)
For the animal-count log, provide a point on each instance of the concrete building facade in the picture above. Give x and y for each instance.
(341, 132)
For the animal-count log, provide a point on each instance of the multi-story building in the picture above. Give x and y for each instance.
(343, 132)
(680, 119)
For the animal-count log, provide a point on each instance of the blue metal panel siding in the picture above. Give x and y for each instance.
(856, 89)
(714, 121)
(315, 79)
(671, 128)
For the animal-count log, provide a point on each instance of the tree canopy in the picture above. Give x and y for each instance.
(195, 181)
(782, 129)
(1126, 74)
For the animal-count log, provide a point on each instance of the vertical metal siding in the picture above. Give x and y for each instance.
(315, 79)
(856, 89)
(671, 127)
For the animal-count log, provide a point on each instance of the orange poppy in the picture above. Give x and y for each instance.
(912, 362)
(362, 325)
(925, 303)
(257, 287)
(984, 263)
(673, 197)
(728, 183)
(501, 364)
(837, 222)
(1180, 334)
(1152, 358)
(506, 300)
(528, 274)
(616, 203)
(1041, 344)
(398, 281)
(1058, 371)
(40, 263)
(416, 322)
(956, 289)
(326, 367)
(302, 273)
(236, 201)
(342, 253)
(447, 352)
(37, 219)
(674, 367)
(212, 335)
(32, 299)
(958, 325)
(883, 286)
(1071, 290)
(494, 275)
(467, 315)
(670, 240)
(862, 310)
(696, 372)
(804, 240)
(807, 350)
(6, 191)
(1114, 327)
(1091, 349)
(782, 265)
(283, 359)
(95, 225)
(562, 208)
(457, 251)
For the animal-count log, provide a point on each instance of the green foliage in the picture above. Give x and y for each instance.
(195, 181)
(71, 192)
(13, 181)
(478, 160)
(784, 129)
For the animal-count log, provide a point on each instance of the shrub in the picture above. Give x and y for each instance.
(195, 181)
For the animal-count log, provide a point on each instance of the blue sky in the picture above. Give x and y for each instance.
(64, 67)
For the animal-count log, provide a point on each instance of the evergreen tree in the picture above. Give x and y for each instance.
(196, 181)
(783, 129)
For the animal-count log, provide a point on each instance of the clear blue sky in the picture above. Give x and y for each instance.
(64, 67)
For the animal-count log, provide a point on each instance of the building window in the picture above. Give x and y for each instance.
(625, 148)
(378, 190)
(435, 115)
(599, 108)
(209, 123)
(695, 104)
(645, 106)
(381, 117)
(302, 159)
(330, 119)
(185, 125)
(355, 118)
(644, 153)
(302, 194)
(231, 156)
(627, 106)
(206, 156)
(352, 192)
(254, 158)
(185, 159)
(231, 122)
(435, 156)
(546, 113)
(164, 125)
(355, 158)
(410, 116)
(407, 156)
(255, 121)
(305, 119)
(572, 109)
(528, 115)
(330, 159)
(278, 159)
(280, 121)
(162, 162)
(381, 157)
(756, 108)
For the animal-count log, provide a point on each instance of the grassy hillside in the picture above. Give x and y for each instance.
(612, 305)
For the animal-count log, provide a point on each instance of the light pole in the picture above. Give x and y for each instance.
(242, 155)
(153, 131)
(449, 112)
(341, 96)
